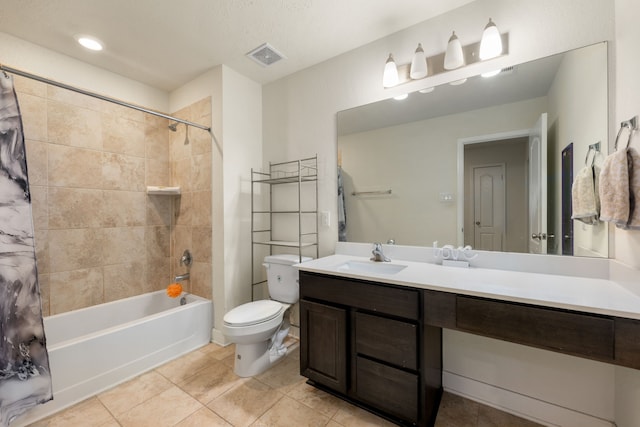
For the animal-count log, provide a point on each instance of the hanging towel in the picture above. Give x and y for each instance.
(342, 211)
(614, 189)
(585, 201)
(634, 189)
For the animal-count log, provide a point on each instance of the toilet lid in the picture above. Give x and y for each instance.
(253, 312)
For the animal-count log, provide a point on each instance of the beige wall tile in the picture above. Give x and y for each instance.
(29, 86)
(159, 210)
(181, 174)
(201, 211)
(156, 138)
(201, 279)
(124, 280)
(201, 140)
(179, 144)
(158, 242)
(39, 207)
(74, 167)
(123, 135)
(182, 209)
(74, 249)
(33, 110)
(201, 238)
(75, 289)
(123, 209)
(181, 240)
(73, 98)
(157, 172)
(74, 126)
(75, 208)
(201, 172)
(121, 111)
(37, 158)
(122, 172)
(158, 274)
(123, 245)
(200, 109)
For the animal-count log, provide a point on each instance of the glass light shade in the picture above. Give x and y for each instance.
(491, 43)
(390, 75)
(418, 64)
(90, 43)
(491, 73)
(401, 97)
(453, 57)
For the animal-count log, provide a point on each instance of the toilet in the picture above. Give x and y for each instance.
(258, 328)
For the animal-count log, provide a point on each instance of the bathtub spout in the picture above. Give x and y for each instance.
(181, 277)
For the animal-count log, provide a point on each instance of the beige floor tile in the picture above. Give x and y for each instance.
(245, 403)
(284, 376)
(125, 396)
(456, 411)
(90, 413)
(334, 424)
(182, 368)
(317, 399)
(211, 382)
(290, 413)
(352, 416)
(164, 410)
(491, 417)
(204, 418)
(218, 352)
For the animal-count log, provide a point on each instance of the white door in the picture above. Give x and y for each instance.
(538, 187)
(489, 207)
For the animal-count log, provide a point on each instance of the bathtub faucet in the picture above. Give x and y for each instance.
(181, 277)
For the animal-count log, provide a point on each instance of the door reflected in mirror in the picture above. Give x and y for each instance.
(466, 165)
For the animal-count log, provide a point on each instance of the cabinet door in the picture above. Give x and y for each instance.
(323, 344)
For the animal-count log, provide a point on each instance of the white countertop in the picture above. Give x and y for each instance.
(599, 296)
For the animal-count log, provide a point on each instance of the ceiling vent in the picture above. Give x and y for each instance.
(265, 55)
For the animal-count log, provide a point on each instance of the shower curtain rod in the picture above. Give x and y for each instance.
(6, 69)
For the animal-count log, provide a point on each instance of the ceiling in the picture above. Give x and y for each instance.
(167, 43)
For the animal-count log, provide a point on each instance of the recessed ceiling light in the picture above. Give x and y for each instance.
(90, 43)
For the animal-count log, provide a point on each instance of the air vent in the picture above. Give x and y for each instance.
(508, 70)
(265, 55)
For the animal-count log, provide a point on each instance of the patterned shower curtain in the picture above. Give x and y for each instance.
(25, 378)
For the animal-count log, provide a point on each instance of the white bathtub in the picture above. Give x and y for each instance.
(95, 348)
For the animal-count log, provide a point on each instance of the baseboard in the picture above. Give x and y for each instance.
(527, 407)
(218, 337)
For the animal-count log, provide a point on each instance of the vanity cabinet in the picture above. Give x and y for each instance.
(366, 342)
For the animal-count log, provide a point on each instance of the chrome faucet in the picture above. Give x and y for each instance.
(181, 277)
(378, 255)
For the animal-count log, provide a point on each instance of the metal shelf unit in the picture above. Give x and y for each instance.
(301, 174)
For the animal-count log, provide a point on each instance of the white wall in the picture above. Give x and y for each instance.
(22, 55)
(627, 243)
(300, 118)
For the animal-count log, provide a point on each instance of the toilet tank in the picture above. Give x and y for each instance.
(282, 278)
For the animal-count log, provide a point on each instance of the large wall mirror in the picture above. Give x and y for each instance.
(487, 162)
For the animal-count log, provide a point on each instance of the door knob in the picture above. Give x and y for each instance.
(540, 236)
(477, 222)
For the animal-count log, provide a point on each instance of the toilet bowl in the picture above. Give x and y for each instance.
(258, 328)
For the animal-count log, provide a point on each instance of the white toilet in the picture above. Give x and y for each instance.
(258, 328)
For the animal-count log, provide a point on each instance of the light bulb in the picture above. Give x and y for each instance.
(491, 43)
(390, 75)
(453, 57)
(418, 64)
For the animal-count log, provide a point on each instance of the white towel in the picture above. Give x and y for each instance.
(634, 189)
(614, 189)
(585, 202)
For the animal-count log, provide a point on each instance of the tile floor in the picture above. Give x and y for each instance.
(201, 390)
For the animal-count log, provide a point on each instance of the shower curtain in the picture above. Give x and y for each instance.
(25, 378)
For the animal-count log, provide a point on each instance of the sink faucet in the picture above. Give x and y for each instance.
(378, 255)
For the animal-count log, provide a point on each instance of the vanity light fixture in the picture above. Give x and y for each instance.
(401, 97)
(454, 56)
(491, 42)
(427, 89)
(89, 42)
(418, 64)
(390, 76)
(492, 45)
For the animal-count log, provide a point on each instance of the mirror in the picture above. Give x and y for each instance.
(423, 169)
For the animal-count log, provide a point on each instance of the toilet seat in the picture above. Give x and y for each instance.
(253, 313)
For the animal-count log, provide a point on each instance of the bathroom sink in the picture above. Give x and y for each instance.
(371, 267)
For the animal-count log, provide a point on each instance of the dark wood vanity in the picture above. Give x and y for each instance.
(380, 346)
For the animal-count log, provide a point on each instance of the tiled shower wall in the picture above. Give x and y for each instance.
(98, 236)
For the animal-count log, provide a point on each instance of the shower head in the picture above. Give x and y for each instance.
(173, 126)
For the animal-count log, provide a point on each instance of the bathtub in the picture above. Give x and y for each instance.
(96, 348)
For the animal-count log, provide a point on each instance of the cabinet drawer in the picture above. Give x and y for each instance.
(573, 333)
(361, 294)
(388, 340)
(389, 389)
